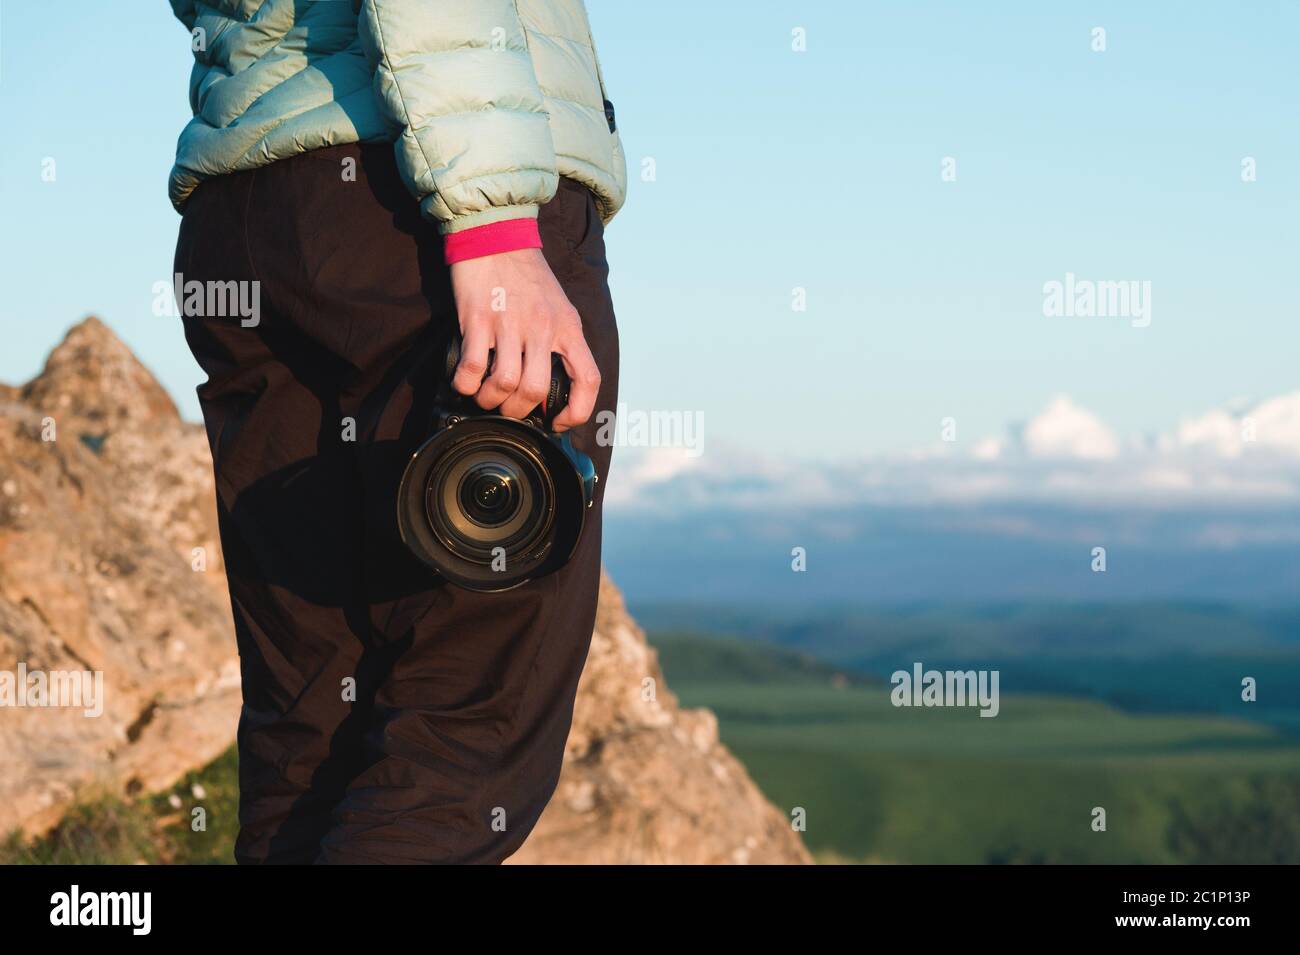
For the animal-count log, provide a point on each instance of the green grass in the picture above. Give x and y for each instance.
(944, 785)
(734, 661)
(880, 783)
(107, 830)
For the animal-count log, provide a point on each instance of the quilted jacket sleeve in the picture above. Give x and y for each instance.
(185, 12)
(455, 77)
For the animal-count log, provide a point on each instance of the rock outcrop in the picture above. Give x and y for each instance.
(109, 562)
(645, 781)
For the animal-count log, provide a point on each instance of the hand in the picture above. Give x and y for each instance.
(532, 318)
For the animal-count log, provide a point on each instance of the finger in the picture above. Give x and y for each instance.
(535, 380)
(473, 360)
(503, 377)
(584, 384)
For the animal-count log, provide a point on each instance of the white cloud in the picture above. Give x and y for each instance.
(1064, 455)
(989, 449)
(1273, 425)
(1064, 430)
(636, 471)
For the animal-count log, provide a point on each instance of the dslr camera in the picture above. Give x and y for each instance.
(491, 502)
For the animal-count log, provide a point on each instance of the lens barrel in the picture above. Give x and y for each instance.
(491, 502)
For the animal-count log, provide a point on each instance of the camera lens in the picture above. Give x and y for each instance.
(490, 503)
(489, 494)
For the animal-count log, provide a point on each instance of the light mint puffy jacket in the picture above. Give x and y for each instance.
(488, 101)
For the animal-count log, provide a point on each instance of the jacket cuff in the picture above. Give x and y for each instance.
(504, 236)
(471, 220)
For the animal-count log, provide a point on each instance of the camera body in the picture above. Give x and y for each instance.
(491, 502)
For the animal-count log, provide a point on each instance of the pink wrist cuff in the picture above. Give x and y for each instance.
(504, 236)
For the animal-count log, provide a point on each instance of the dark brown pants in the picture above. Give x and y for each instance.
(388, 716)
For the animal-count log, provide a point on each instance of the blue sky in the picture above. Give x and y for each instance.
(777, 169)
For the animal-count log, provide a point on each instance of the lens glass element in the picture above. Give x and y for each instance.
(490, 503)
(489, 493)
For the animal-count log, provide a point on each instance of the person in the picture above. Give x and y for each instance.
(373, 176)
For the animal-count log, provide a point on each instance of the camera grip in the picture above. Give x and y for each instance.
(557, 392)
